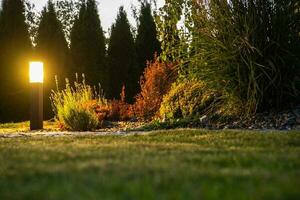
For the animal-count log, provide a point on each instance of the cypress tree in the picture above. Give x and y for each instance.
(88, 44)
(122, 58)
(146, 42)
(52, 49)
(15, 51)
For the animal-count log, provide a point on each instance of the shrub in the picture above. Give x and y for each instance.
(75, 106)
(102, 111)
(155, 83)
(115, 110)
(119, 110)
(188, 99)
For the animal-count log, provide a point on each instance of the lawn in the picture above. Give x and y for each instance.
(24, 127)
(181, 164)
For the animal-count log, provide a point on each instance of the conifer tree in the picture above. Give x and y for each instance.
(15, 52)
(88, 44)
(52, 49)
(122, 58)
(146, 42)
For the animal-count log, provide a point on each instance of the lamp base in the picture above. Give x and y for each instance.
(36, 107)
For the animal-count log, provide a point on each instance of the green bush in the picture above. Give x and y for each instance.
(78, 119)
(188, 99)
(74, 107)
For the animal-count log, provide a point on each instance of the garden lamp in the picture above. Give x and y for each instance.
(36, 76)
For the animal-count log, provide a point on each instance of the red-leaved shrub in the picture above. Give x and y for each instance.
(155, 83)
(115, 110)
(120, 111)
(102, 111)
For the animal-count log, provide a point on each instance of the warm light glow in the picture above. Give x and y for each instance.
(36, 72)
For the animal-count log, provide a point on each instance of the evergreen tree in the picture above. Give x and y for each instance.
(67, 11)
(15, 51)
(122, 58)
(52, 49)
(146, 43)
(88, 44)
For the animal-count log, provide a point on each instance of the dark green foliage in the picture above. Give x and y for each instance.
(67, 11)
(146, 42)
(262, 42)
(248, 50)
(87, 44)
(15, 51)
(122, 58)
(52, 49)
(32, 19)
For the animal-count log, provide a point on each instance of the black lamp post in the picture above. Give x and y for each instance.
(36, 97)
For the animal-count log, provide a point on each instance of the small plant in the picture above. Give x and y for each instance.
(187, 99)
(119, 110)
(155, 83)
(75, 106)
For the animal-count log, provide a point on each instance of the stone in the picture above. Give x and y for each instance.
(204, 119)
(133, 119)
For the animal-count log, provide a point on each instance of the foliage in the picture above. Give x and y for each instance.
(88, 44)
(167, 19)
(15, 49)
(187, 99)
(146, 41)
(116, 110)
(121, 58)
(67, 11)
(74, 107)
(120, 111)
(241, 48)
(52, 49)
(32, 20)
(155, 83)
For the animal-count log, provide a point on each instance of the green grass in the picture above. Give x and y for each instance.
(24, 127)
(187, 164)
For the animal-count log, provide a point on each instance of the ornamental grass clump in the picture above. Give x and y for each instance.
(247, 50)
(74, 106)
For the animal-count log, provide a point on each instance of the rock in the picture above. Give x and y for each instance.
(134, 119)
(288, 128)
(204, 119)
(297, 113)
(290, 121)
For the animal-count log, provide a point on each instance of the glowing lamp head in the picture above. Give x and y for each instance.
(36, 72)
